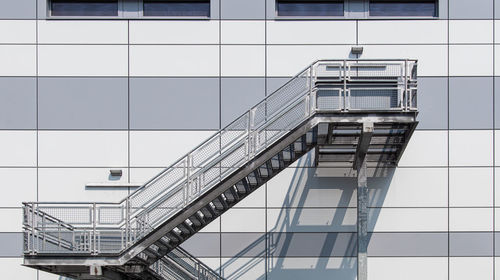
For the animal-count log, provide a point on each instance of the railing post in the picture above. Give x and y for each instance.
(94, 225)
(127, 223)
(33, 228)
(251, 122)
(344, 92)
(188, 178)
(405, 92)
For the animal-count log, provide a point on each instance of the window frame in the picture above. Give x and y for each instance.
(436, 11)
(358, 11)
(118, 15)
(127, 10)
(277, 16)
(141, 13)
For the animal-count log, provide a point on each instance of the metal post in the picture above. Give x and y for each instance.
(360, 166)
(94, 224)
(362, 222)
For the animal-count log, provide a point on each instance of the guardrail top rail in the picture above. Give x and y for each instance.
(325, 85)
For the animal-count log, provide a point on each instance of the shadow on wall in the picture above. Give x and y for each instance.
(313, 242)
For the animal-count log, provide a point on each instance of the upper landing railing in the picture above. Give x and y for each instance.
(324, 86)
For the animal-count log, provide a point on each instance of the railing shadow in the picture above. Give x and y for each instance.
(313, 242)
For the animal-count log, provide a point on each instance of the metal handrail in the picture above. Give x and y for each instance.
(235, 145)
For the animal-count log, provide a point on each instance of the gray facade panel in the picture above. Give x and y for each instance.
(83, 103)
(203, 245)
(471, 244)
(275, 83)
(243, 9)
(497, 102)
(215, 9)
(312, 268)
(238, 95)
(12, 244)
(322, 244)
(477, 9)
(471, 103)
(17, 103)
(174, 103)
(243, 244)
(408, 244)
(432, 103)
(18, 9)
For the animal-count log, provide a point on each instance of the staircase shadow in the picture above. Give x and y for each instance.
(307, 241)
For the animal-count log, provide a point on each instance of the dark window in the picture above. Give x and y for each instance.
(84, 7)
(198, 8)
(304, 8)
(423, 8)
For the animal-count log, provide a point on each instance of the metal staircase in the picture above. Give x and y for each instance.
(354, 113)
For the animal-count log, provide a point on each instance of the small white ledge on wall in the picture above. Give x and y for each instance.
(111, 185)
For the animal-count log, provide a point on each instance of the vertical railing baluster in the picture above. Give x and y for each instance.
(94, 225)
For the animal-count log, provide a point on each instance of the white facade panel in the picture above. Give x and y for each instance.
(232, 268)
(402, 32)
(287, 61)
(311, 32)
(243, 61)
(255, 199)
(428, 187)
(162, 60)
(18, 185)
(299, 187)
(69, 185)
(426, 148)
(174, 32)
(82, 60)
(82, 148)
(432, 59)
(471, 219)
(18, 148)
(465, 268)
(82, 32)
(471, 60)
(471, 187)
(142, 175)
(254, 220)
(17, 60)
(243, 32)
(408, 219)
(408, 268)
(312, 220)
(162, 148)
(11, 219)
(471, 31)
(18, 31)
(12, 269)
(471, 148)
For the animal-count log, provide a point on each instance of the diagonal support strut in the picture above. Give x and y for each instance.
(360, 166)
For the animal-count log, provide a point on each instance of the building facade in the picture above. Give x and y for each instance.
(83, 94)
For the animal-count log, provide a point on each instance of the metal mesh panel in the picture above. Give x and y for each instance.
(173, 201)
(110, 215)
(373, 71)
(290, 91)
(329, 99)
(167, 179)
(71, 215)
(330, 71)
(373, 98)
(207, 151)
(110, 241)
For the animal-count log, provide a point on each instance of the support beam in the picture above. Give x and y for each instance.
(360, 166)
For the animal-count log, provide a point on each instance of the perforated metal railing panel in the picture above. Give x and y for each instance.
(325, 86)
